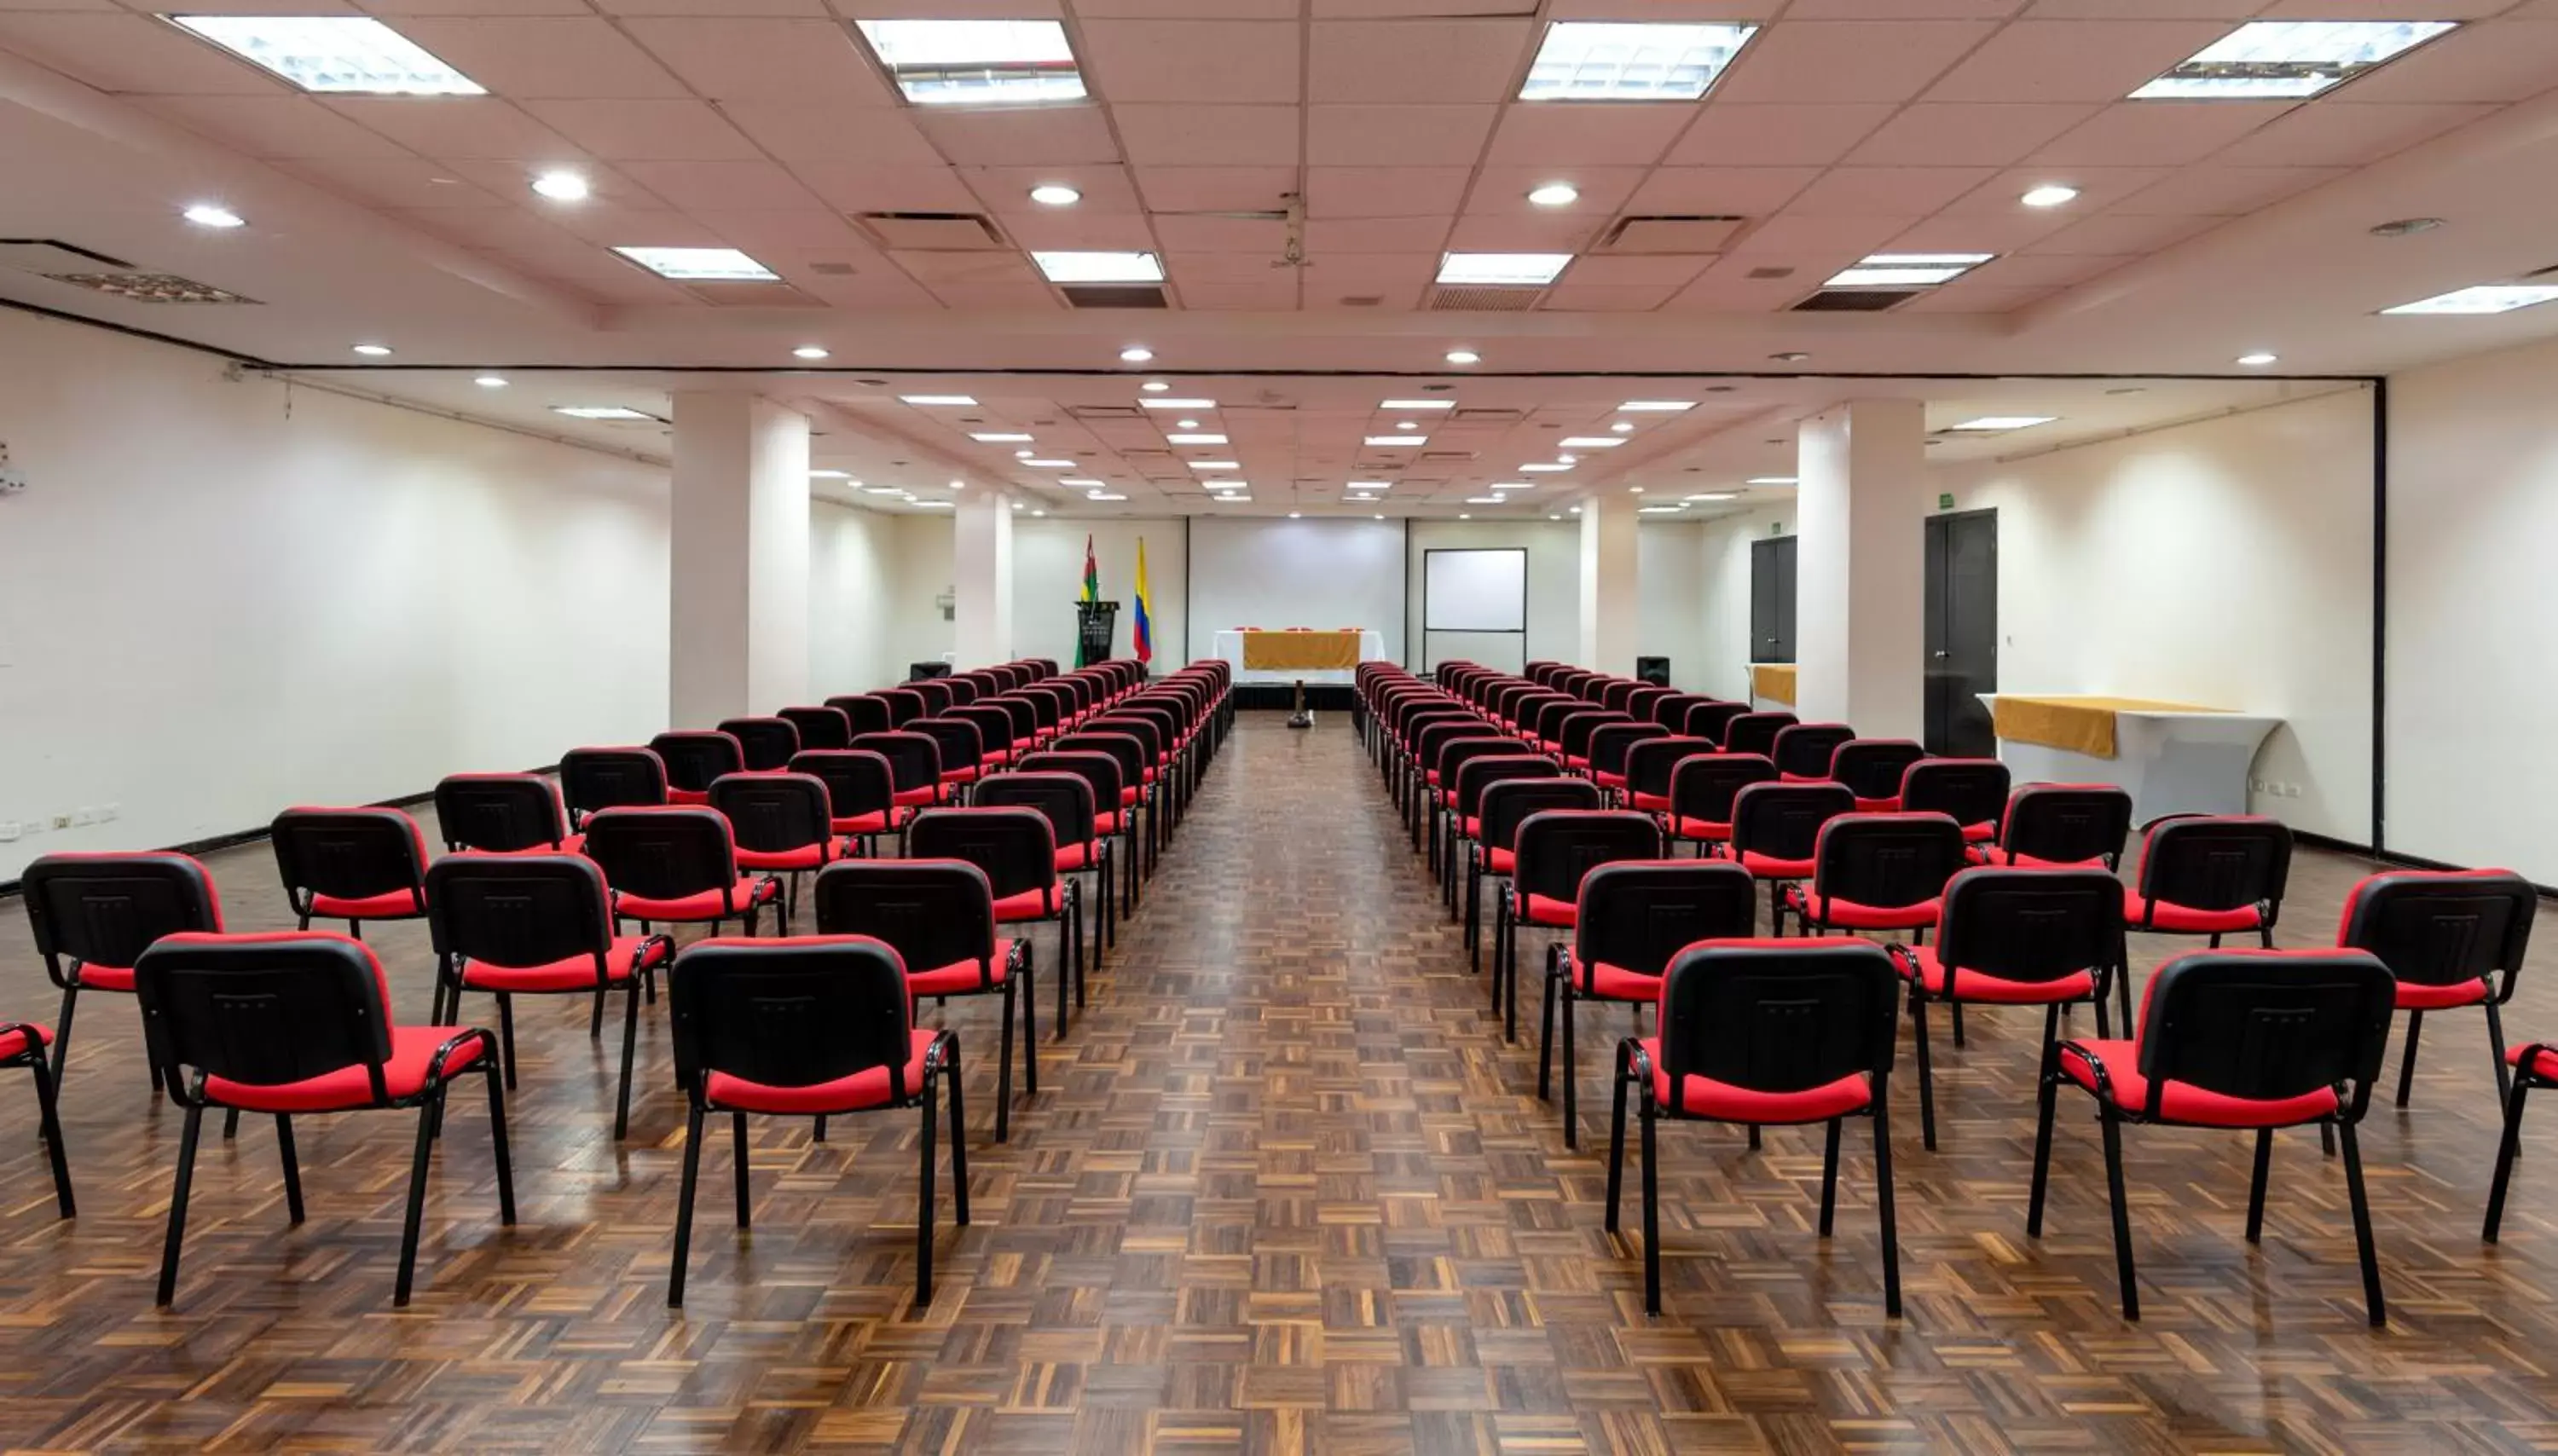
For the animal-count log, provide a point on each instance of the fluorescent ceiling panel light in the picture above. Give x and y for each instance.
(1417, 404)
(1103, 495)
(1398, 438)
(1512, 485)
(960, 400)
(706, 265)
(1369, 485)
(1196, 439)
(1906, 270)
(344, 53)
(1049, 465)
(1592, 441)
(979, 63)
(599, 412)
(2259, 359)
(1178, 404)
(1136, 354)
(1154, 386)
(1622, 427)
(1217, 464)
(938, 504)
(1464, 356)
(373, 351)
(881, 490)
(1482, 500)
(208, 215)
(809, 352)
(1228, 485)
(1501, 269)
(831, 474)
(1713, 496)
(1081, 484)
(1599, 61)
(1770, 480)
(1989, 423)
(2485, 298)
(1655, 406)
(1545, 468)
(490, 381)
(1657, 510)
(2285, 60)
(997, 436)
(1101, 267)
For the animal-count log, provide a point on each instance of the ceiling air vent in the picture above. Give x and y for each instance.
(832, 270)
(151, 287)
(1363, 300)
(1692, 233)
(772, 295)
(1446, 456)
(1772, 271)
(933, 232)
(1856, 299)
(1484, 300)
(1105, 412)
(1484, 414)
(1113, 295)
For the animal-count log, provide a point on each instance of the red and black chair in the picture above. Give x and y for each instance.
(2051, 826)
(1747, 732)
(1074, 821)
(1616, 693)
(1872, 770)
(2452, 939)
(1550, 855)
(694, 760)
(503, 814)
(861, 792)
(522, 924)
(1877, 871)
(915, 759)
(676, 865)
(1703, 789)
(963, 750)
(2049, 938)
(1471, 776)
(866, 712)
(819, 727)
(93, 915)
(2249, 1039)
(22, 1044)
(1649, 766)
(2211, 874)
(1670, 711)
(938, 915)
(1017, 850)
(1633, 915)
(1136, 792)
(781, 824)
(1506, 804)
(1776, 833)
(1574, 736)
(1643, 701)
(611, 779)
(904, 705)
(1610, 745)
(1449, 757)
(300, 1021)
(1803, 750)
(1114, 828)
(1712, 719)
(996, 744)
(350, 865)
(807, 1026)
(935, 693)
(1971, 791)
(766, 742)
(1772, 1032)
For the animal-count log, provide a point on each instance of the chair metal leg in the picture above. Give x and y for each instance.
(2407, 1057)
(595, 1017)
(506, 1034)
(1954, 1013)
(1927, 1073)
(737, 1144)
(2506, 1148)
(1617, 1141)
(501, 1150)
(923, 1200)
(292, 1167)
(958, 1141)
(1474, 915)
(2495, 1049)
(1571, 1072)
(2256, 1184)
(63, 1037)
(1886, 1214)
(2047, 1091)
(1651, 1210)
(1004, 1072)
(230, 1123)
(187, 1142)
(2113, 1129)
(629, 1049)
(426, 1119)
(1829, 1176)
(684, 1206)
(2362, 1245)
(1545, 1041)
(51, 1127)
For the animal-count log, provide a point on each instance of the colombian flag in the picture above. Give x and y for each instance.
(1145, 634)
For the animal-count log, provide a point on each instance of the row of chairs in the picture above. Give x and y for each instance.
(2020, 896)
(534, 898)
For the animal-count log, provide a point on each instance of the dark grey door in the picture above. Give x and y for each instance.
(1962, 631)
(1772, 600)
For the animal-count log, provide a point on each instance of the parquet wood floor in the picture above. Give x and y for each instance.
(1284, 1190)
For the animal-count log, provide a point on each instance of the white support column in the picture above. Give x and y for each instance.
(981, 570)
(1860, 568)
(739, 598)
(1611, 602)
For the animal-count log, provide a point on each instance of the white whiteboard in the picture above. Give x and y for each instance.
(1475, 591)
(1270, 573)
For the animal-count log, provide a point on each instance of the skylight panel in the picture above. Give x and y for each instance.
(1599, 61)
(700, 265)
(2284, 60)
(1906, 270)
(1086, 267)
(2485, 298)
(1500, 269)
(342, 54)
(976, 62)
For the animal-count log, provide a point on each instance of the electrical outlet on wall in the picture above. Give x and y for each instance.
(10, 828)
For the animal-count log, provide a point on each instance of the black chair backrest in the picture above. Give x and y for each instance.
(349, 854)
(1578, 726)
(965, 690)
(1430, 735)
(1650, 762)
(931, 912)
(518, 910)
(1704, 786)
(1618, 692)
(1888, 860)
(914, 757)
(867, 712)
(500, 812)
(2219, 862)
(1556, 848)
(1610, 741)
(1099, 771)
(935, 693)
(2443, 927)
(962, 746)
(695, 758)
(774, 812)
(1778, 1016)
(858, 781)
(1970, 790)
(1783, 821)
(2267, 1024)
(1636, 914)
(2064, 823)
(790, 1012)
(1454, 754)
(1711, 721)
(1551, 714)
(994, 725)
(1480, 771)
(1670, 712)
(1745, 733)
(611, 779)
(1126, 749)
(264, 1009)
(1803, 749)
(663, 853)
(2031, 925)
(1872, 768)
(105, 909)
(1023, 714)
(1066, 799)
(820, 727)
(904, 705)
(1016, 848)
(767, 742)
(1511, 802)
(1145, 731)
(1642, 702)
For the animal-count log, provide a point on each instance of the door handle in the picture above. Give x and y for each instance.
(1940, 655)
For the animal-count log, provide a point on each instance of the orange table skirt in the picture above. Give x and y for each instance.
(1299, 651)
(1774, 681)
(2079, 724)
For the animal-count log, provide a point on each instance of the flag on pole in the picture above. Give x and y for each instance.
(1091, 593)
(1144, 630)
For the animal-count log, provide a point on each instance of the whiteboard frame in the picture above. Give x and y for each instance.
(1428, 662)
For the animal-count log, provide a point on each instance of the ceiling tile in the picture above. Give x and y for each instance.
(1511, 232)
(1193, 234)
(2339, 135)
(272, 126)
(1504, 190)
(1019, 136)
(393, 182)
(1189, 268)
(132, 54)
(1450, 61)
(1567, 133)
(391, 9)
(1403, 9)
(2048, 270)
(1205, 60)
(1627, 271)
(1213, 189)
(1240, 136)
(1073, 228)
(1726, 287)
(2098, 188)
(1973, 299)
(457, 126)
(996, 297)
(1092, 10)
(706, 189)
(1745, 191)
(1875, 192)
(1574, 296)
(656, 131)
(720, 8)
(1275, 294)
(2123, 234)
(2492, 61)
(876, 286)
(828, 130)
(1815, 62)
(541, 56)
(779, 237)
(2143, 9)
(774, 60)
(1775, 136)
(1903, 9)
(1978, 232)
(1817, 238)
(2074, 60)
(1377, 235)
(1398, 278)
(1384, 192)
(2158, 133)
(855, 187)
(1397, 136)
(1933, 134)
(1106, 189)
(2217, 190)
(933, 269)
(2386, 9)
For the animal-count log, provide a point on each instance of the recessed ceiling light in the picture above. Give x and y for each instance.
(1591, 442)
(1389, 440)
(1039, 465)
(2269, 59)
(1381, 515)
(1135, 353)
(938, 504)
(1513, 485)
(1039, 512)
(490, 381)
(881, 490)
(372, 350)
(937, 399)
(1567, 460)
(562, 186)
(1081, 485)
(1022, 454)
(1574, 511)
(2049, 194)
(1368, 485)
(2257, 361)
(1598, 61)
(1790, 356)
(1906, 270)
(957, 63)
(1416, 404)
(1017, 505)
(958, 484)
(998, 436)
(1657, 510)
(1154, 386)
(1196, 439)
(1216, 465)
(1555, 195)
(1989, 423)
(1624, 427)
(1055, 195)
(707, 265)
(342, 54)
(599, 412)
(809, 352)
(1186, 424)
(1294, 514)
(2485, 298)
(1101, 267)
(1633, 490)
(1547, 468)
(1770, 480)
(1405, 425)
(1464, 517)
(831, 474)
(1655, 406)
(1178, 404)
(1103, 495)
(1713, 496)
(210, 214)
(1464, 356)
(1501, 269)
(1554, 515)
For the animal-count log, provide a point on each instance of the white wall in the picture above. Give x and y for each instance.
(217, 600)
(916, 631)
(852, 571)
(1723, 634)
(1553, 592)
(1671, 624)
(1314, 573)
(1048, 580)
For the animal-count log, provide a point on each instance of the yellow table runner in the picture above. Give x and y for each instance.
(1774, 681)
(2079, 724)
(1299, 651)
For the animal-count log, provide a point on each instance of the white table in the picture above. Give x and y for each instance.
(2168, 762)
(1228, 647)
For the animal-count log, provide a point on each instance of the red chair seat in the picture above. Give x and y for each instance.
(2416, 996)
(2544, 1066)
(1993, 855)
(1980, 833)
(807, 856)
(1725, 1103)
(1975, 985)
(397, 904)
(878, 820)
(1611, 983)
(1130, 793)
(868, 1088)
(1575, 762)
(2142, 915)
(1803, 778)
(577, 973)
(1890, 805)
(1543, 910)
(927, 794)
(1106, 823)
(1769, 867)
(1078, 857)
(1499, 862)
(995, 757)
(1653, 803)
(14, 1043)
(709, 904)
(2184, 1103)
(688, 796)
(349, 1087)
(106, 978)
(962, 977)
(1608, 780)
(1701, 828)
(1850, 915)
(572, 845)
(1429, 776)
(1031, 904)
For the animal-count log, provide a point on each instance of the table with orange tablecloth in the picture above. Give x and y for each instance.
(2172, 757)
(1326, 656)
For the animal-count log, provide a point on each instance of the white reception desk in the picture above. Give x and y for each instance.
(2170, 760)
(1228, 647)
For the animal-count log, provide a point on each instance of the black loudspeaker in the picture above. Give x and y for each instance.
(917, 672)
(1654, 670)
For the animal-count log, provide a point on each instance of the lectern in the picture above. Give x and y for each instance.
(1096, 626)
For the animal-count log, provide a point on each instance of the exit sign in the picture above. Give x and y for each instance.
(1944, 501)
